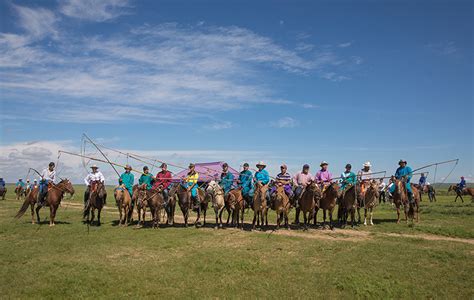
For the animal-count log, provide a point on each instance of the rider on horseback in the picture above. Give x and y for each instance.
(348, 179)
(20, 183)
(404, 172)
(128, 179)
(283, 178)
(94, 175)
(48, 175)
(461, 185)
(263, 177)
(146, 178)
(191, 181)
(163, 181)
(227, 179)
(245, 182)
(323, 176)
(301, 180)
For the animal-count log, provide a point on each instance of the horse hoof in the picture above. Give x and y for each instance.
(216, 227)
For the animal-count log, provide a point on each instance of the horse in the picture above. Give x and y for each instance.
(414, 209)
(124, 204)
(154, 200)
(186, 204)
(348, 205)
(235, 204)
(97, 197)
(400, 197)
(216, 193)
(53, 198)
(3, 192)
(139, 200)
(459, 192)
(30, 201)
(370, 200)
(260, 209)
(308, 202)
(281, 205)
(20, 192)
(428, 189)
(328, 203)
(170, 208)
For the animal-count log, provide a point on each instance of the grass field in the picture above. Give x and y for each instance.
(432, 259)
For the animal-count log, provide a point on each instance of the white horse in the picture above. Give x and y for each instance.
(216, 193)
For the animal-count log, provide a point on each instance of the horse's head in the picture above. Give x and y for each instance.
(66, 186)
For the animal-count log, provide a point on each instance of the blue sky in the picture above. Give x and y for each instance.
(280, 81)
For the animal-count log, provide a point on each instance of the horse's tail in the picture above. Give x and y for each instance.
(23, 208)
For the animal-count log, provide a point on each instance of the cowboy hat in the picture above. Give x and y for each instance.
(261, 163)
(367, 164)
(283, 166)
(402, 161)
(94, 167)
(323, 163)
(129, 167)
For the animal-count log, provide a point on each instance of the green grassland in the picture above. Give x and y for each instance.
(432, 259)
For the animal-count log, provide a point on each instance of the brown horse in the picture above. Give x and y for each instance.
(186, 204)
(235, 204)
(140, 202)
(20, 192)
(414, 208)
(281, 205)
(124, 204)
(370, 200)
(3, 192)
(428, 189)
(260, 209)
(328, 203)
(400, 197)
(53, 198)
(348, 205)
(459, 193)
(170, 207)
(154, 201)
(309, 201)
(30, 201)
(97, 197)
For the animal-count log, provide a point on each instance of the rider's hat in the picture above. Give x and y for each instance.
(94, 167)
(261, 163)
(323, 163)
(367, 164)
(305, 166)
(163, 165)
(348, 166)
(191, 165)
(128, 167)
(402, 161)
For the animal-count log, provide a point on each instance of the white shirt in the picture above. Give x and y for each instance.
(382, 186)
(365, 175)
(48, 175)
(97, 176)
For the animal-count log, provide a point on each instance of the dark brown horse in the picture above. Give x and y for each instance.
(186, 204)
(328, 203)
(3, 192)
(140, 202)
(428, 189)
(235, 205)
(30, 201)
(260, 209)
(154, 201)
(170, 207)
(281, 205)
(97, 198)
(53, 198)
(348, 205)
(309, 201)
(459, 192)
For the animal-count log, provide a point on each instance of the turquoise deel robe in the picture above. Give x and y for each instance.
(347, 178)
(262, 176)
(227, 180)
(246, 183)
(408, 173)
(128, 179)
(146, 179)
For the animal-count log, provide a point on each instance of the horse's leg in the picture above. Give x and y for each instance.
(92, 215)
(220, 217)
(52, 213)
(198, 218)
(324, 218)
(371, 216)
(297, 216)
(37, 213)
(266, 217)
(204, 221)
(287, 223)
(315, 216)
(254, 219)
(305, 220)
(365, 216)
(32, 206)
(278, 219)
(228, 215)
(398, 214)
(216, 211)
(330, 219)
(352, 217)
(242, 217)
(98, 216)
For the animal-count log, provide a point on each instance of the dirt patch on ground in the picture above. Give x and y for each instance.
(430, 237)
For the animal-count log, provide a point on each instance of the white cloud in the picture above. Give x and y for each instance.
(345, 45)
(219, 125)
(95, 10)
(443, 48)
(309, 105)
(37, 22)
(286, 122)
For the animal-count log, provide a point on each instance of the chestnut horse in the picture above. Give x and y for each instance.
(260, 209)
(400, 197)
(370, 200)
(20, 192)
(154, 200)
(281, 205)
(53, 198)
(328, 203)
(140, 202)
(97, 197)
(124, 204)
(235, 204)
(348, 205)
(309, 201)
(186, 204)
(30, 201)
(216, 194)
